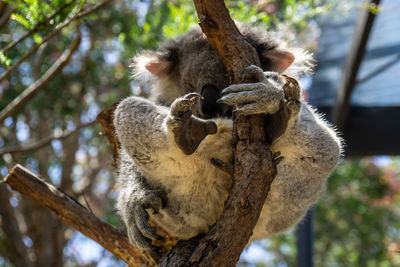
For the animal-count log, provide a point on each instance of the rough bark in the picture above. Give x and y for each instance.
(77, 216)
(254, 169)
(106, 118)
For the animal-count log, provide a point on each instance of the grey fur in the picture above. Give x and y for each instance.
(154, 169)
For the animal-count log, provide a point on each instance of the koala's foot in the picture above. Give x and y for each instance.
(292, 95)
(188, 130)
(289, 108)
(262, 94)
(139, 230)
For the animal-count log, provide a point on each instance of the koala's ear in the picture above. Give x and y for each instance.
(276, 60)
(158, 64)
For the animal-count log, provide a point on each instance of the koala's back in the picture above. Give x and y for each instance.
(196, 189)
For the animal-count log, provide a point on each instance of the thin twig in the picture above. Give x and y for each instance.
(44, 142)
(34, 88)
(86, 202)
(58, 29)
(35, 28)
(93, 9)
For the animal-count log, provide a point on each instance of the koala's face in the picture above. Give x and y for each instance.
(190, 64)
(201, 71)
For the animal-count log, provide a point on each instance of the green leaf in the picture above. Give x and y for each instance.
(5, 60)
(20, 19)
(37, 38)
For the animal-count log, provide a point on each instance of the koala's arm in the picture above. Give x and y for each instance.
(147, 131)
(140, 128)
(311, 151)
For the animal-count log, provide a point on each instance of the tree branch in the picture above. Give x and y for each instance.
(106, 118)
(77, 216)
(92, 9)
(34, 88)
(254, 170)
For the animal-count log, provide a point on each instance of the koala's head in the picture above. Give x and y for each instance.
(189, 64)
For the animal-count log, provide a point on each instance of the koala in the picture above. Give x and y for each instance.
(170, 141)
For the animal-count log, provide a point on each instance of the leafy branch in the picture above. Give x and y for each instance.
(36, 27)
(81, 13)
(34, 88)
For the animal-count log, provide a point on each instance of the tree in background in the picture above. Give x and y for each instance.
(86, 46)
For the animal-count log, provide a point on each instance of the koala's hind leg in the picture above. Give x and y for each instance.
(188, 130)
(134, 198)
(289, 107)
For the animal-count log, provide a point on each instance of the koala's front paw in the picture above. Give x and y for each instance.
(188, 130)
(139, 230)
(262, 95)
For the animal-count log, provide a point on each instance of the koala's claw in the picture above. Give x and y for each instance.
(181, 107)
(154, 201)
(262, 95)
(140, 232)
(253, 74)
(276, 158)
(291, 88)
(193, 97)
(176, 118)
(141, 221)
(293, 106)
(249, 109)
(276, 154)
(136, 238)
(188, 131)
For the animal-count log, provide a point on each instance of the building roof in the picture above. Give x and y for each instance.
(378, 80)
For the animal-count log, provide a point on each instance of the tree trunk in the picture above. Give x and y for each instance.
(254, 169)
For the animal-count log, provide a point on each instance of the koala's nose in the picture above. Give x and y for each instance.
(208, 105)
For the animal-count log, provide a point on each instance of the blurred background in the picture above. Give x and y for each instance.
(71, 59)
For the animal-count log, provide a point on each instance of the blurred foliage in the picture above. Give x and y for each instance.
(354, 223)
(357, 219)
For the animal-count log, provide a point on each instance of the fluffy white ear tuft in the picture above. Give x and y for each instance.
(150, 63)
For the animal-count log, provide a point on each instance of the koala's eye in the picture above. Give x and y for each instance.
(208, 105)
